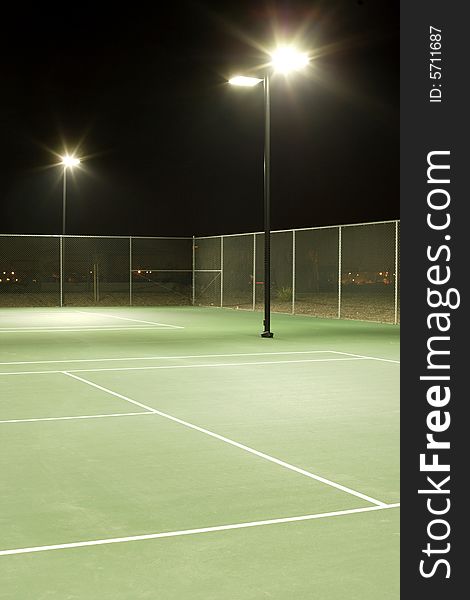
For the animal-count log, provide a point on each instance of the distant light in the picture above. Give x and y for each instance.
(287, 58)
(70, 161)
(244, 81)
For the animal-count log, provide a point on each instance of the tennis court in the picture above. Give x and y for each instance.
(173, 453)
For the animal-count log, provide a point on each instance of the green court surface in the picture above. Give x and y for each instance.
(173, 453)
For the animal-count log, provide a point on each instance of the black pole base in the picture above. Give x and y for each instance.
(267, 334)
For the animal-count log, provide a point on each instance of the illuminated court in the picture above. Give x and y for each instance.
(174, 453)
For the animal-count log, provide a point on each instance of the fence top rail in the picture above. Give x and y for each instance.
(112, 237)
(197, 237)
(206, 237)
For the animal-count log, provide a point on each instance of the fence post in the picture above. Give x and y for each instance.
(396, 273)
(340, 257)
(61, 270)
(96, 283)
(293, 271)
(221, 271)
(193, 282)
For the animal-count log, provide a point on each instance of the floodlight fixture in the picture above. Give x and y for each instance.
(243, 81)
(69, 161)
(287, 58)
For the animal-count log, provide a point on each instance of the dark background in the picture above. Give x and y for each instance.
(170, 148)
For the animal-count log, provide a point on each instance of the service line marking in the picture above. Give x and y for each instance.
(232, 442)
(130, 414)
(168, 534)
(204, 365)
(131, 358)
(186, 356)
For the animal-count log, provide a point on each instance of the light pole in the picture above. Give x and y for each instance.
(283, 60)
(68, 162)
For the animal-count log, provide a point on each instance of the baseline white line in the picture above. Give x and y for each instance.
(84, 312)
(233, 443)
(212, 365)
(167, 534)
(107, 328)
(367, 357)
(76, 417)
(130, 358)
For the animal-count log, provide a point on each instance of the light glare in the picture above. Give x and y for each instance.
(70, 161)
(244, 81)
(288, 59)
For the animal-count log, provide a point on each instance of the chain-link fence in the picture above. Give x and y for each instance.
(161, 272)
(347, 271)
(208, 258)
(94, 270)
(29, 270)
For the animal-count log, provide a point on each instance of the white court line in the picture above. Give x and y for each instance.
(212, 365)
(367, 357)
(80, 329)
(167, 534)
(233, 443)
(130, 358)
(76, 417)
(84, 312)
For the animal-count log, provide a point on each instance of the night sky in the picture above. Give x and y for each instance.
(170, 148)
